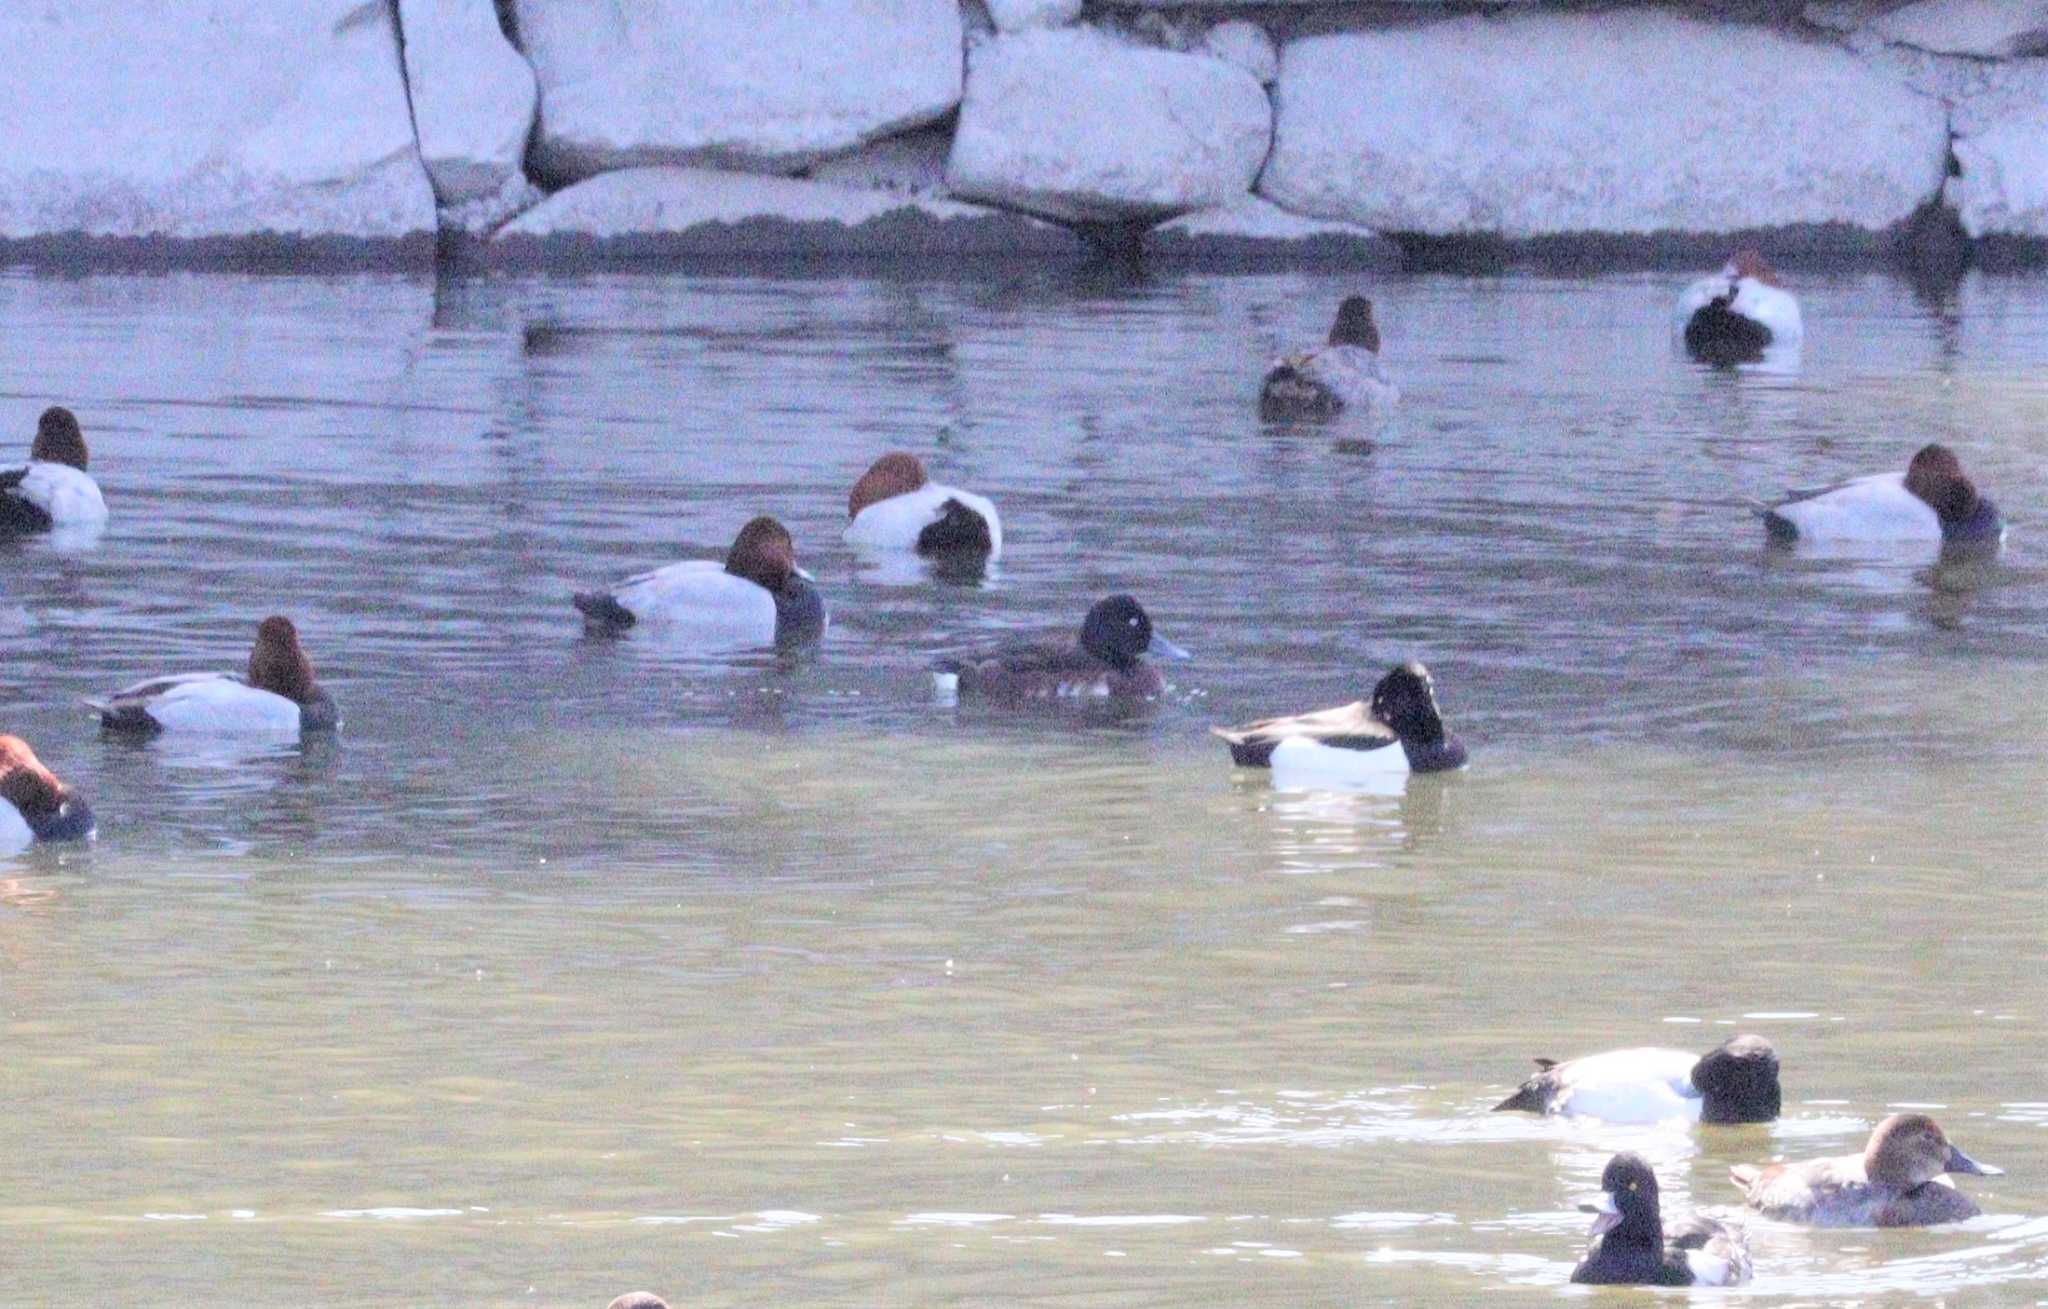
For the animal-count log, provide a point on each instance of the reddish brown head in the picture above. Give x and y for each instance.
(58, 438)
(1750, 263)
(278, 663)
(1354, 325)
(763, 552)
(30, 787)
(893, 474)
(1936, 476)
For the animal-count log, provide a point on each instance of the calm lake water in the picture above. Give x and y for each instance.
(576, 966)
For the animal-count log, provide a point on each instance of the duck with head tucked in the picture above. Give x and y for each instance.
(1893, 1183)
(1931, 501)
(1107, 662)
(278, 697)
(1738, 314)
(1629, 1237)
(1735, 1082)
(896, 506)
(1343, 374)
(34, 806)
(52, 491)
(756, 597)
(1399, 730)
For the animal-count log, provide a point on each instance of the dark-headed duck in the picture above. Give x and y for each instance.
(638, 1300)
(1736, 315)
(34, 805)
(1107, 662)
(52, 491)
(1343, 373)
(896, 506)
(1399, 730)
(277, 697)
(1629, 1237)
(1893, 1183)
(756, 597)
(1735, 1082)
(1931, 501)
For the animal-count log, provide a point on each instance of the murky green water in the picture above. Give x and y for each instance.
(573, 967)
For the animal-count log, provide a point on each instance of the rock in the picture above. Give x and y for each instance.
(2001, 145)
(205, 119)
(669, 211)
(1540, 124)
(770, 85)
(473, 96)
(1251, 229)
(1986, 29)
(911, 164)
(1078, 126)
(1023, 15)
(1244, 45)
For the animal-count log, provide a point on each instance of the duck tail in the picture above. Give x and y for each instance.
(1528, 1098)
(602, 613)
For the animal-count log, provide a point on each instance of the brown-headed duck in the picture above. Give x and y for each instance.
(1931, 501)
(1736, 315)
(1735, 1082)
(1107, 663)
(1399, 730)
(756, 597)
(1344, 373)
(52, 491)
(277, 697)
(896, 506)
(1893, 1183)
(34, 805)
(1629, 1237)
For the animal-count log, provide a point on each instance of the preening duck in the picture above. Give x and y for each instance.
(756, 597)
(1931, 501)
(1891, 1184)
(1629, 1237)
(34, 805)
(1736, 315)
(1735, 1082)
(1399, 730)
(52, 491)
(1344, 373)
(277, 697)
(1107, 662)
(896, 506)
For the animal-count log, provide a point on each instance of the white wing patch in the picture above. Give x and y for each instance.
(698, 602)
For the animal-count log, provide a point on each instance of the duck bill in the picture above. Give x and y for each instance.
(1958, 1162)
(1606, 1217)
(1166, 649)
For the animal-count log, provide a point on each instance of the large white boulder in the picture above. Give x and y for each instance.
(1989, 29)
(206, 118)
(2001, 145)
(770, 85)
(1246, 44)
(1079, 126)
(1616, 121)
(473, 96)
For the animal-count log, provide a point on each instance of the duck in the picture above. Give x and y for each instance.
(34, 806)
(1735, 1082)
(896, 506)
(1736, 315)
(1399, 730)
(756, 597)
(1893, 1183)
(1344, 373)
(1629, 1237)
(52, 491)
(278, 696)
(638, 1300)
(1931, 501)
(1107, 662)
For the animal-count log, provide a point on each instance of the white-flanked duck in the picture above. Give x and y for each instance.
(1399, 730)
(1739, 313)
(1892, 1183)
(278, 697)
(1343, 373)
(1735, 1082)
(1107, 662)
(34, 805)
(756, 597)
(1630, 1237)
(52, 492)
(896, 506)
(1931, 501)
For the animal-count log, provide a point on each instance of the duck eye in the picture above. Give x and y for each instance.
(1632, 1186)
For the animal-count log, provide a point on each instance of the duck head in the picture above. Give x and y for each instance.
(763, 553)
(1936, 476)
(278, 662)
(1627, 1204)
(1354, 325)
(894, 474)
(1405, 700)
(1739, 1079)
(59, 440)
(1119, 632)
(1907, 1150)
(1750, 263)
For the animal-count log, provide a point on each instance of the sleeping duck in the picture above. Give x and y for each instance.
(1736, 315)
(1629, 1237)
(1343, 374)
(34, 805)
(1893, 1183)
(279, 696)
(1931, 501)
(1106, 663)
(52, 491)
(1400, 730)
(756, 597)
(1735, 1082)
(895, 506)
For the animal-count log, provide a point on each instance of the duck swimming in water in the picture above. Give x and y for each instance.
(896, 506)
(1931, 501)
(1735, 1082)
(1892, 1183)
(1341, 375)
(756, 597)
(1107, 662)
(1399, 730)
(278, 696)
(1629, 1237)
(52, 491)
(1738, 314)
